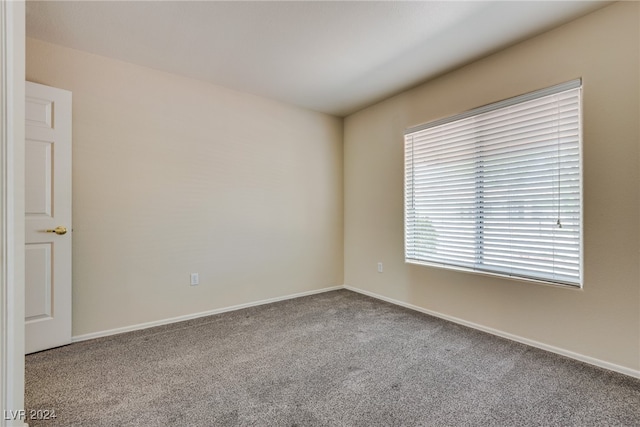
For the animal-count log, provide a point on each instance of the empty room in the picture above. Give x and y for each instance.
(320, 213)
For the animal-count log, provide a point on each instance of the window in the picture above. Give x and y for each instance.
(498, 189)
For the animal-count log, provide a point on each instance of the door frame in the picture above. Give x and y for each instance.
(12, 77)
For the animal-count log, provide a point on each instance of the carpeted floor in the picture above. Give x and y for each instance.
(332, 359)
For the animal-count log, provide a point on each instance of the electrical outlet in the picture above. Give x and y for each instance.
(380, 267)
(195, 279)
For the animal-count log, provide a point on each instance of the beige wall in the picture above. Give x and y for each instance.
(602, 321)
(172, 176)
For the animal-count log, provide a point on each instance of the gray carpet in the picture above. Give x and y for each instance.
(332, 359)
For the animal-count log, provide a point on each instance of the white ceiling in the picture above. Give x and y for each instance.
(330, 56)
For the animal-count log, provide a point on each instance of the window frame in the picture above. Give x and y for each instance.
(479, 247)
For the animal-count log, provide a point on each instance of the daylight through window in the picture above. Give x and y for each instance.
(498, 189)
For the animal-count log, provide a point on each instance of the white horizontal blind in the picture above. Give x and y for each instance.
(498, 189)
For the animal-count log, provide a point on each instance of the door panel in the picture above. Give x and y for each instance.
(38, 178)
(39, 112)
(38, 304)
(47, 206)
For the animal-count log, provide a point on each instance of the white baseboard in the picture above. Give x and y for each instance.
(577, 356)
(146, 325)
(570, 354)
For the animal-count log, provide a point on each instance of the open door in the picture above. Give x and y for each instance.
(47, 217)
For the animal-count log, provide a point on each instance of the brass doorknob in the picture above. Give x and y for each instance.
(58, 230)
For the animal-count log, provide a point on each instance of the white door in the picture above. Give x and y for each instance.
(47, 217)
